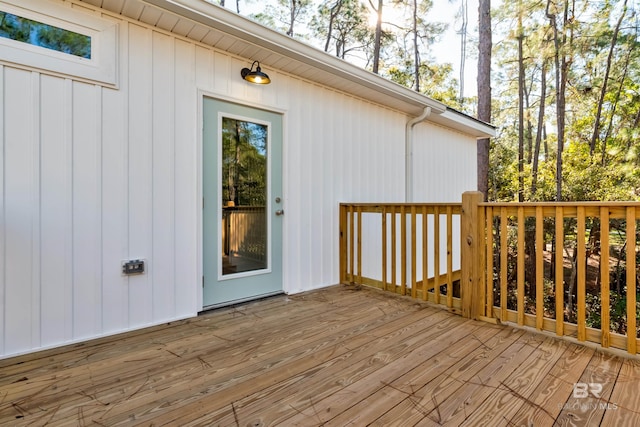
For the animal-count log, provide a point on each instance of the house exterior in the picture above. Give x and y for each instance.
(112, 162)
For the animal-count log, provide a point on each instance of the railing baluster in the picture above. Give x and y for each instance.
(394, 255)
(359, 240)
(425, 253)
(489, 265)
(403, 250)
(539, 268)
(343, 244)
(436, 253)
(449, 256)
(414, 282)
(631, 281)
(482, 252)
(559, 271)
(504, 253)
(352, 228)
(604, 278)
(384, 247)
(582, 277)
(520, 255)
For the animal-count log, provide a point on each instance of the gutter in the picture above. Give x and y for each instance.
(408, 146)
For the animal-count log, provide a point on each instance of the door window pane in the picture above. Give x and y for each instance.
(244, 196)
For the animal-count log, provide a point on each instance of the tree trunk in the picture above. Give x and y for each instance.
(333, 13)
(603, 90)
(484, 91)
(293, 13)
(536, 154)
(378, 35)
(463, 47)
(521, 94)
(416, 52)
(614, 107)
(562, 66)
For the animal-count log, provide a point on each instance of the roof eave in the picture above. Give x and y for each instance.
(466, 124)
(257, 34)
(252, 32)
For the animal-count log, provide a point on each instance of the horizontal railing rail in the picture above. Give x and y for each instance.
(405, 248)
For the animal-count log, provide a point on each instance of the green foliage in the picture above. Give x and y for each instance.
(587, 179)
(244, 163)
(285, 15)
(600, 157)
(436, 80)
(617, 312)
(348, 21)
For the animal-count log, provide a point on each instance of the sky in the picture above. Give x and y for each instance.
(448, 48)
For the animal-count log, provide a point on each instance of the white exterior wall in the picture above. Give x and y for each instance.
(92, 175)
(445, 164)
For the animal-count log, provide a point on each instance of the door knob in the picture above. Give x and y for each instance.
(279, 212)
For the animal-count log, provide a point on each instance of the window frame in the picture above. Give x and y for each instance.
(100, 68)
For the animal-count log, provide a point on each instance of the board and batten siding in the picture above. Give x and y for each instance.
(445, 164)
(93, 175)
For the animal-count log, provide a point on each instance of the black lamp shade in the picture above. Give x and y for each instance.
(257, 76)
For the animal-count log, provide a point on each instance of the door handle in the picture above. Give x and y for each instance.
(279, 212)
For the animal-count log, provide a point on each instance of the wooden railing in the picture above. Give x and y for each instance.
(244, 232)
(567, 268)
(408, 249)
(550, 266)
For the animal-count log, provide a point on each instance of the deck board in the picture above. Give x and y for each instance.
(333, 357)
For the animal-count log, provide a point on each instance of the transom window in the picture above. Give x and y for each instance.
(54, 38)
(36, 33)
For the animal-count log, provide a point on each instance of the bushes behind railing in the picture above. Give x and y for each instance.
(570, 268)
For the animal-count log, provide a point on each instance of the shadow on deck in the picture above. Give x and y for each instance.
(338, 356)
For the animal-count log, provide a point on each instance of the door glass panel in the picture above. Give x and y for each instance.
(244, 196)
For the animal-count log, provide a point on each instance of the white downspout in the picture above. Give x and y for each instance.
(408, 141)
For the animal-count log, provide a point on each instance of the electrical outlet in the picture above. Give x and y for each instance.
(133, 266)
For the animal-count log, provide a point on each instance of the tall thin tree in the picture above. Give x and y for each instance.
(484, 91)
(378, 36)
(605, 81)
(521, 96)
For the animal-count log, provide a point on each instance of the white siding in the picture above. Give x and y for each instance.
(444, 164)
(93, 175)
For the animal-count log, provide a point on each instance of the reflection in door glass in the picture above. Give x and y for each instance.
(244, 196)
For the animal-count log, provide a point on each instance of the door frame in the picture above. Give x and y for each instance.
(202, 94)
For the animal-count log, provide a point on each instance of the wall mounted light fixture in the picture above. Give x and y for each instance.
(257, 76)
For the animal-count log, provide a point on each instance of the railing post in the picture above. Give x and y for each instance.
(471, 243)
(343, 243)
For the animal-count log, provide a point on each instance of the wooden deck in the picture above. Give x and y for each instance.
(335, 357)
